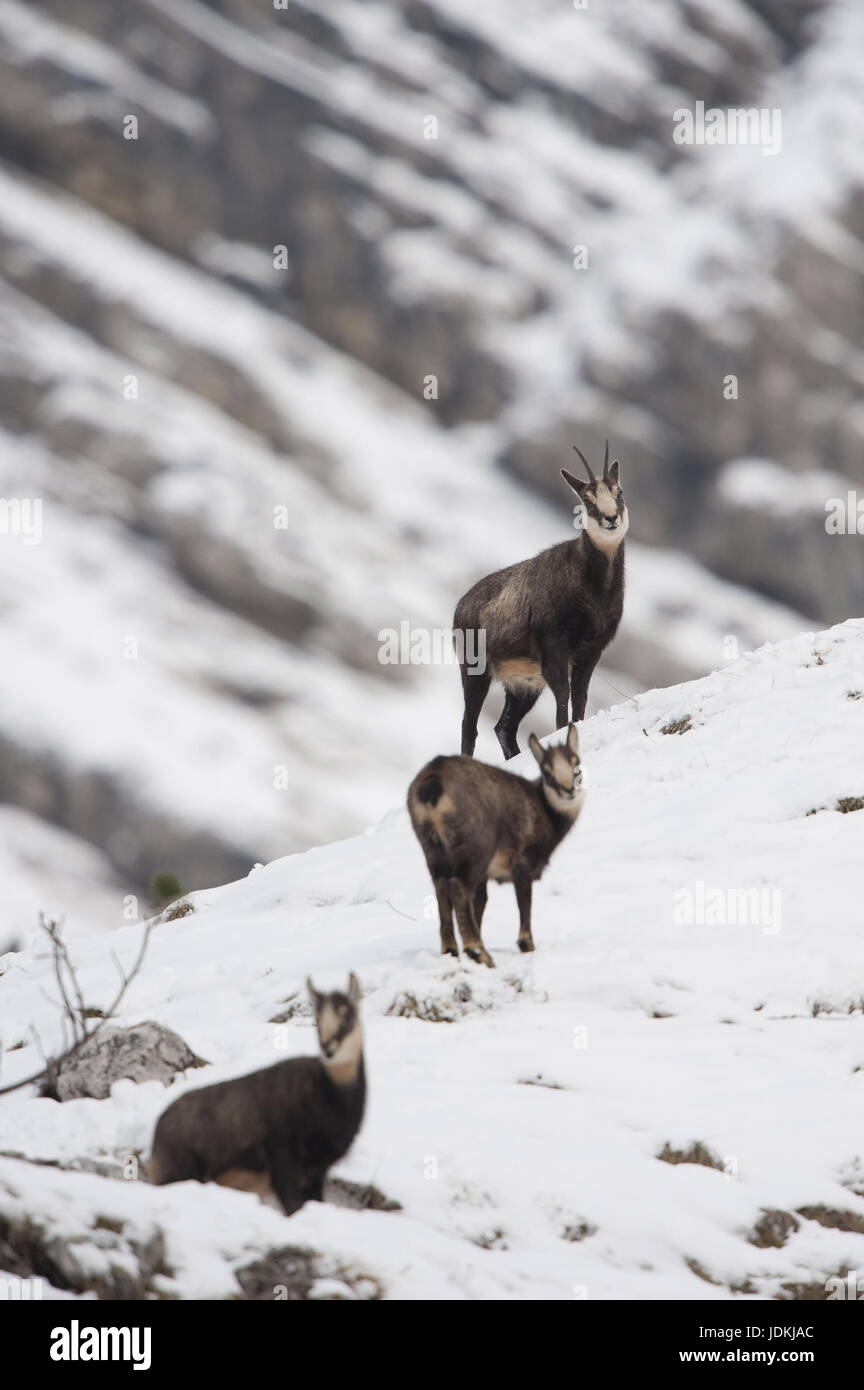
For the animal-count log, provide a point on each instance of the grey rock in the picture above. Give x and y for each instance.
(145, 1052)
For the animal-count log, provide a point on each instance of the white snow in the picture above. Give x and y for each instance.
(758, 483)
(391, 515)
(389, 518)
(32, 36)
(542, 1104)
(45, 869)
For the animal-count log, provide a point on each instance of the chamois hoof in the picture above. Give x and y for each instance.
(449, 951)
(480, 957)
(525, 943)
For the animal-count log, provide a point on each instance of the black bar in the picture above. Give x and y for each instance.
(235, 1336)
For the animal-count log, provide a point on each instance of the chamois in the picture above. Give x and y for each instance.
(548, 619)
(476, 822)
(276, 1131)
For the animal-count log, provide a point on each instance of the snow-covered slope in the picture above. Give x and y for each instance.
(517, 1114)
(424, 172)
(248, 640)
(163, 530)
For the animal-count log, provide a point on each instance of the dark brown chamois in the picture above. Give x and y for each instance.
(548, 619)
(276, 1131)
(476, 822)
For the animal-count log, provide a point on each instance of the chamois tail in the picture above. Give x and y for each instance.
(429, 788)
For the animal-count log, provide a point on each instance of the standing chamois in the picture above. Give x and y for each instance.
(277, 1131)
(476, 822)
(548, 619)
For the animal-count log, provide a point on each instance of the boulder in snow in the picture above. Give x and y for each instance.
(146, 1052)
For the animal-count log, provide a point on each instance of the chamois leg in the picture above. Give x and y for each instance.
(287, 1185)
(475, 688)
(585, 659)
(517, 703)
(522, 884)
(445, 917)
(463, 901)
(314, 1188)
(554, 668)
(480, 895)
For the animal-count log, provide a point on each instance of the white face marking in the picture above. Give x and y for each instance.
(562, 769)
(603, 536)
(328, 1025)
(339, 1055)
(569, 792)
(565, 805)
(343, 1065)
(605, 500)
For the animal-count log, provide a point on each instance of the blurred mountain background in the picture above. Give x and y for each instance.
(301, 309)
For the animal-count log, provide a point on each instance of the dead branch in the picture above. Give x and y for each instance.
(76, 1016)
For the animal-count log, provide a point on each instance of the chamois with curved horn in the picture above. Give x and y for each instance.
(547, 620)
(476, 822)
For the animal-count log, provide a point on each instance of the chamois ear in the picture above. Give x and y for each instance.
(354, 991)
(612, 475)
(536, 747)
(573, 740)
(576, 483)
(314, 996)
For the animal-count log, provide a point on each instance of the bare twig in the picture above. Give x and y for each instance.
(74, 979)
(59, 959)
(80, 1031)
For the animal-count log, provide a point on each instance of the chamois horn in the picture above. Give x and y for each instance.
(591, 477)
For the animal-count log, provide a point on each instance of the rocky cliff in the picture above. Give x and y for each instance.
(302, 307)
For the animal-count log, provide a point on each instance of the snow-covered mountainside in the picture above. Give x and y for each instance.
(696, 993)
(237, 243)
